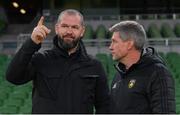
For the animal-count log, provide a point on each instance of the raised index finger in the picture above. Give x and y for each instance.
(41, 21)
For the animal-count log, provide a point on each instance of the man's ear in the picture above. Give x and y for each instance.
(83, 31)
(130, 44)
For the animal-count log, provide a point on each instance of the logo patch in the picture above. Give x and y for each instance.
(131, 83)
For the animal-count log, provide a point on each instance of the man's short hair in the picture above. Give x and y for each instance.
(131, 30)
(71, 12)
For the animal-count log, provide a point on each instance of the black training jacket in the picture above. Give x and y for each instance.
(147, 87)
(61, 83)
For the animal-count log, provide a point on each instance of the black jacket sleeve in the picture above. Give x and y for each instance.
(102, 92)
(20, 69)
(162, 91)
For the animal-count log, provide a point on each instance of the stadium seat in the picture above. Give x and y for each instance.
(103, 58)
(26, 109)
(14, 102)
(108, 65)
(167, 31)
(1, 102)
(89, 33)
(177, 109)
(4, 95)
(3, 58)
(153, 31)
(112, 70)
(9, 110)
(101, 32)
(20, 94)
(177, 29)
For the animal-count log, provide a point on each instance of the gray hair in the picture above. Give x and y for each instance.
(131, 30)
(71, 12)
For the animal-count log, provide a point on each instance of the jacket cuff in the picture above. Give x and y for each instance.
(30, 47)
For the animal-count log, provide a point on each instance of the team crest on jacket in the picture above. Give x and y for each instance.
(131, 83)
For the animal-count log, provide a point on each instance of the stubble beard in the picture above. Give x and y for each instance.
(67, 45)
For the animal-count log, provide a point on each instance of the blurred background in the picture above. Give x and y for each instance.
(160, 18)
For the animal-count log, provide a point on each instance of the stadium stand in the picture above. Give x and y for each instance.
(17, 99)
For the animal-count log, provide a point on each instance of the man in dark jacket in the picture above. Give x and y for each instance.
(143, 84)
(65, 79)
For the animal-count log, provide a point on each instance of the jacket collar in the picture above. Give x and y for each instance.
(148, 56)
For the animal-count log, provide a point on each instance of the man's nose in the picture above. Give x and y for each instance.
(69, 30)
(110, 47)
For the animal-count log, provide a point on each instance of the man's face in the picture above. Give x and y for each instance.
(118, 47)
(69, 30)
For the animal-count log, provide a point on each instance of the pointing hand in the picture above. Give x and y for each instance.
(40, 32)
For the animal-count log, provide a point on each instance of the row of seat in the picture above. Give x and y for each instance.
(13, 99)
(100, 33)
(152, 31)
(164, 32)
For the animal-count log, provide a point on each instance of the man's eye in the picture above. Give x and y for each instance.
(75, 27)
(64, 26)
(72, 27)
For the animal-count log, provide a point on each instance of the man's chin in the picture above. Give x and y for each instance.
(69, 44)
(68, 41)
(114, 58)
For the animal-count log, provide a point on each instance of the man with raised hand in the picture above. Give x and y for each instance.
(65, 78)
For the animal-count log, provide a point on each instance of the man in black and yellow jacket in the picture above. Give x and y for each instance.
(143, 84)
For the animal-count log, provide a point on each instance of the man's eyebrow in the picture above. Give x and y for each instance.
(63, 24)
(70, 25)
